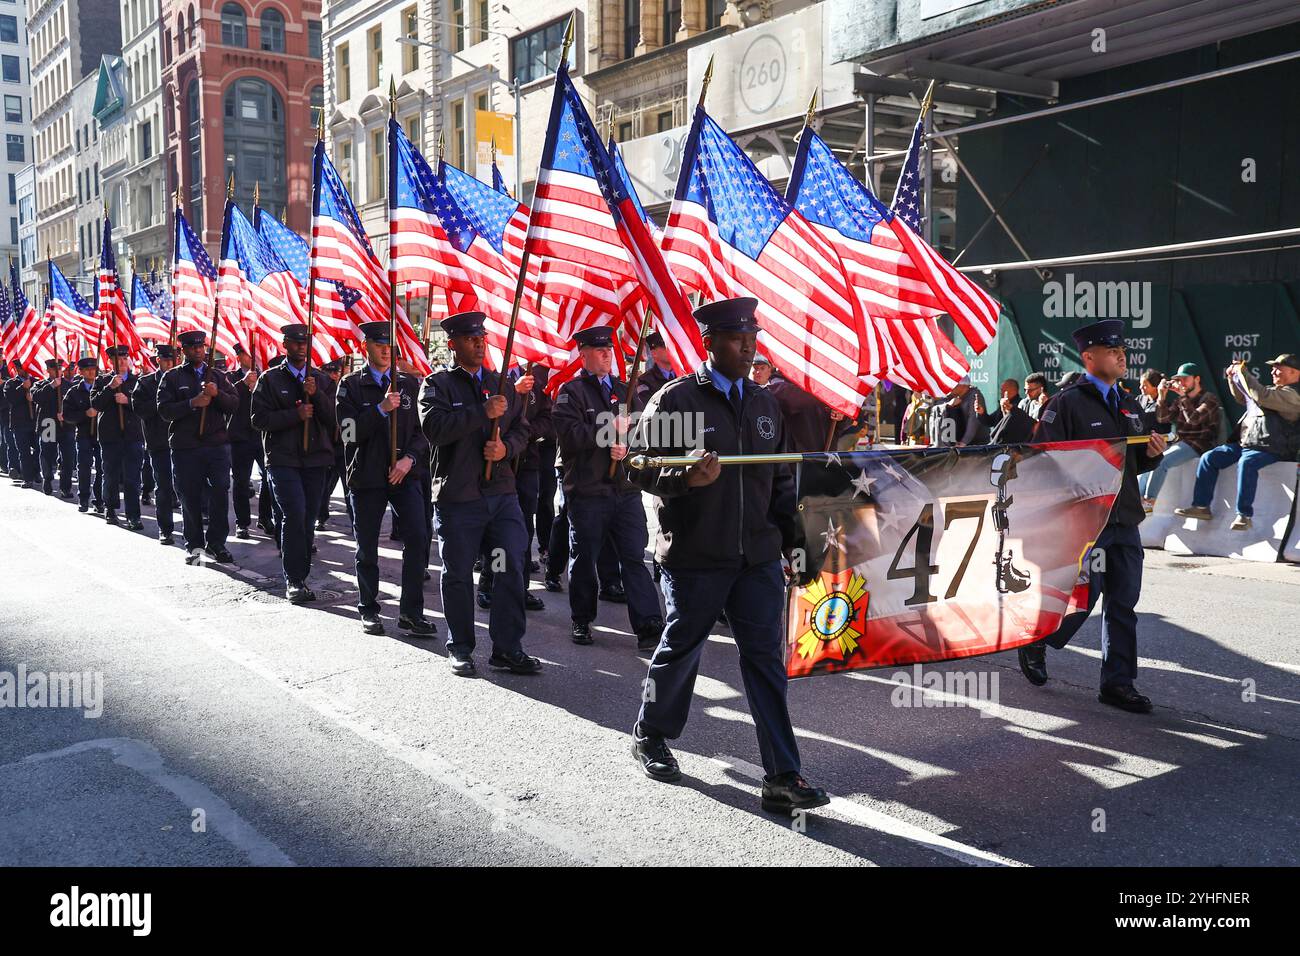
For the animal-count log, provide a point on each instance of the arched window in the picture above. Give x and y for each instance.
(254, 137)
(272, 29)
(180, 35)
(194, 149)
(234, 26)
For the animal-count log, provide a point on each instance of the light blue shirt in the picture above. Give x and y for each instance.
(722, 383)
(1103, 388)
(299, 373)
(378, 376)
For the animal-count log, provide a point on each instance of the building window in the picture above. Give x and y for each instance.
(664, 121)
(631, 27)
(537, 54)
(672, 19)
(343, 68)
(146, 139)
(11, 69)
(234, 25)
(458, 30)
(375, 58)
(411, 30)
(713, 11)
(13, 230)
(624, 132)
(314, 48)
(195, 128)
(316, 99)
(13, 109)
(378, 168)
(458, 134)
(414, 131)
(483, 18)
(13, 190)
(253, 142)
(8, 28)
(344, 163)
(272, 31)
(16, 144)
(95, 179)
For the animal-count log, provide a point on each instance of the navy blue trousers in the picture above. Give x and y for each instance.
(368, 507)
(754, 598)
(620, 521)
(492, 526)
(202, 477)
(297, 495)
(88, 488)
(1119, 586)
(164, 498)
(65, 452)
(28, 455)
(122, 461)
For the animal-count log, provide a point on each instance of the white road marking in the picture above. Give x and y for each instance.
(1035, 720)
(145, 760)
(1127, 767)
(1155, 664)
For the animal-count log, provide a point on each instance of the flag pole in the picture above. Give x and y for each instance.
(171, 337)
(523, 275)
(216, 312)
(633, 376)
(394, 349)
(311, 290)
(112, 319)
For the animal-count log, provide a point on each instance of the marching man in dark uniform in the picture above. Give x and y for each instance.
(333, 374)
(459, 408)
(246, 451)
(364, 406)
(591, 435)
(200, 460)
(58, 437)
(121, 437)
(289, 401)
(78, 411)
(1097, 407)
(659, 370)
(722, 532)
(23, 421)
(144, 400)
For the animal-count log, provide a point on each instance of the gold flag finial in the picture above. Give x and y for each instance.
(320, 123)
(928, 102)
(609, 128)
(704, 87)
(440, 145)
(230, 186)
(812, 110)
(257, 193)
(392, 96)
(568, 38)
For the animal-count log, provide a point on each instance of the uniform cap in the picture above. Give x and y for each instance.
(728, 315)
(464, 323)
(1108, 332)
(599, 337)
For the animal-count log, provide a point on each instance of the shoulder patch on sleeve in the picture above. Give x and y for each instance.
(1049, 416)
(562, 398)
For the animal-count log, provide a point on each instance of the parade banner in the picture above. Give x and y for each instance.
(934, 555)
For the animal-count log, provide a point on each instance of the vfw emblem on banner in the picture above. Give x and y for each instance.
(933, 555)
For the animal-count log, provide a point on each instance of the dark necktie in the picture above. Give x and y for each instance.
(1112, 399)
(734, 397)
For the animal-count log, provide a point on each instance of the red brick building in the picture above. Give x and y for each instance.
(241, 85)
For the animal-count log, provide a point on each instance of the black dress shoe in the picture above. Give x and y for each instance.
(533, 566)
(656, 760)
(83, 508)
(516, 663)
(1033, 663)
(111, 518)
(533, 603)
(1125, 697)
(483, 599)
(221, 557)
(299, 594)
(146, 499)
(370, 623)
(97, 508)
(48, 489)
(462, 666)
(416, 626)
(787, 792)
(66, 495)
(613, 592)
(135, 524)
(553, 585)
(320, 525)
(242, 534)
(647, 636)
(581, 634)
(194, 557)
(164, 538)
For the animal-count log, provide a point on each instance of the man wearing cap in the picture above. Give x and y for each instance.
(121, 437)
(592, 434)
(293, 407)
(23, 421)
(722, 533)
(57, 436)
(461, 412)
(1270, 432)
(144, 400)
(659, 371)
(78, 411)
(1182, 403)
(200, 447)
(368, 402)
(1096, 407)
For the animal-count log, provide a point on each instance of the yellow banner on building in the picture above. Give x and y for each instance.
(490, 126)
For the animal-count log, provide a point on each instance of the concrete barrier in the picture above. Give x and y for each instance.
(1275, 501)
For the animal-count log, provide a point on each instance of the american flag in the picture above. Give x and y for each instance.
(33, 338)
(72, 314)
(940, 288)
(149, 321)
(729, 234)
(341, 251)
(450, 230)
(194, 280)
(586, 214)
(335, 301)
(6, 321)
(112, 304)
(920, 356)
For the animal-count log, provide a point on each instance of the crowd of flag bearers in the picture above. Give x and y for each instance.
(247, 371)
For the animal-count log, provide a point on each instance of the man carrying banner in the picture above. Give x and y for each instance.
(1096, 407)
(144, 400)
(722, 533)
